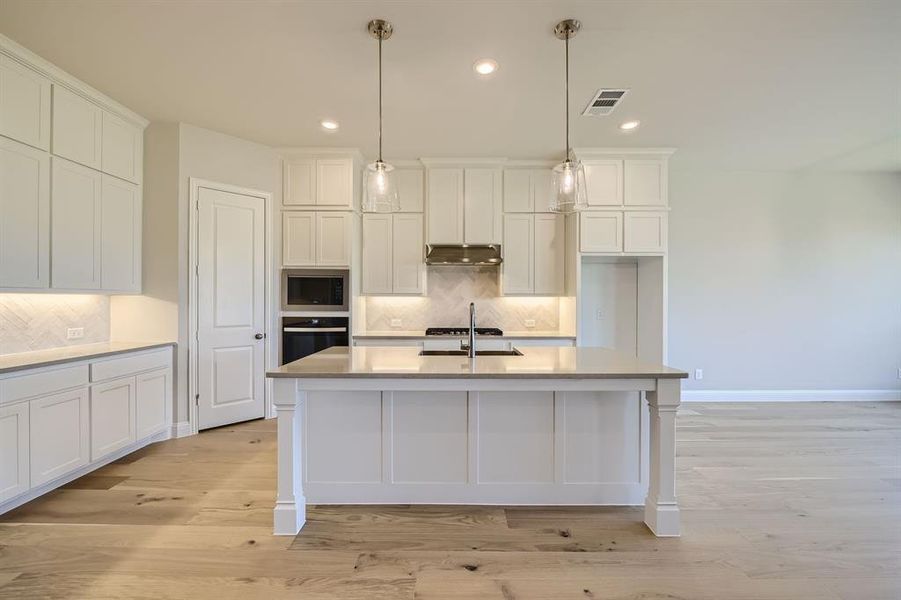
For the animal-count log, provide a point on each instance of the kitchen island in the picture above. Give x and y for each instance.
(580, 426)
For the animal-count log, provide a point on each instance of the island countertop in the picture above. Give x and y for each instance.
(370, 362)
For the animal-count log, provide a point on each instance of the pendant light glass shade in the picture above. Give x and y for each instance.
(570, 193)
(380, 189)
(569, 187)
(379, 186)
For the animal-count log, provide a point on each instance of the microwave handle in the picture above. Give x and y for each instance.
(314, 329)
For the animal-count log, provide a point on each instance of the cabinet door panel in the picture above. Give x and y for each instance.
(604, 179)
(409, 189)
(298, 239)
(645, 232)
(75, 226)
(542, 189)
(24, 216)
(645, 182)
(377, 248)
(407, 254)
(549, 254)
(153, 394)
(112, 416)
(334, 183)
(59, 435)
(24, 104)
(120, 237)
(480, 200)
(14, 478)
(518, 195)
(77, 128)
(601, 231)
(518, 247)
(333, 234)
(122, 148)
(445, 204)
(300, 182)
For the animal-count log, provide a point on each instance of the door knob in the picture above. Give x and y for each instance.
(258, 336)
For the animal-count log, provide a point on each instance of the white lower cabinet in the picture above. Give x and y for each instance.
(14, 464)
(112, 416)
(59, 434)
(153, 394)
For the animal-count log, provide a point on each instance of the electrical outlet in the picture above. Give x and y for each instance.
(396, 323)
(74, 333)
(599, 315)
(530, 323)
(899, 372)
(699, 373)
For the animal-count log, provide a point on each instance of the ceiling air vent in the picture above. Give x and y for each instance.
(604, 102)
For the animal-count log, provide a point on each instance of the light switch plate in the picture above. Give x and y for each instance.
(699, 373)
(74, 333)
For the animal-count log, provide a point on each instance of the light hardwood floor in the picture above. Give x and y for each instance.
(784, 501)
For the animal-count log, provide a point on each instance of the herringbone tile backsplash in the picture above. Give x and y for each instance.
(450, 290)
(39, 321)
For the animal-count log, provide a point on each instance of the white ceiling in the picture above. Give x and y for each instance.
(733, 84)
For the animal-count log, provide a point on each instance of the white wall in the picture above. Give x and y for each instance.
(786, 280)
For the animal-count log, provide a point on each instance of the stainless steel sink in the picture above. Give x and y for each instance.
(513, 352)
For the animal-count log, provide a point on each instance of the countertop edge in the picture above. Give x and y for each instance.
(38, 363)
(681, 375)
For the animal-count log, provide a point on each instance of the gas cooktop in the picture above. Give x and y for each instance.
(462, 331)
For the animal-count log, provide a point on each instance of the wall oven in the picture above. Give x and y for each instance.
(314, 290)
(302, 336)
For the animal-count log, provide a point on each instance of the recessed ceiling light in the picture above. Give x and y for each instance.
(485, 66)
(330, 125)
(630, 125)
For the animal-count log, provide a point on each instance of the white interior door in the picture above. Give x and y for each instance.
(230, 302)
(610, 305)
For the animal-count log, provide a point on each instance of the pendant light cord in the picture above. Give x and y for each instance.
(566, 43)
(380, 98)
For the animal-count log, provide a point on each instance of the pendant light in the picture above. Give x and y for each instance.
(569, 175)
(379, 186)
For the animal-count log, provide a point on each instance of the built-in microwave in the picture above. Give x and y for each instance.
(314, 290)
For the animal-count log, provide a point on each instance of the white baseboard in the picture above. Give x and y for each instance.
(181, 429)
(791, 395)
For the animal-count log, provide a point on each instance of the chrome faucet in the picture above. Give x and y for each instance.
(472, 329)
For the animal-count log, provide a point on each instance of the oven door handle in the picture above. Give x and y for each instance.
(314, 329)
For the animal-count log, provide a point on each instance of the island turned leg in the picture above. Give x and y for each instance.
(661, 512)
(290, 512)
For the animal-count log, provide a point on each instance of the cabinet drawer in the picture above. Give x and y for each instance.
(131, 364)
(45, 382)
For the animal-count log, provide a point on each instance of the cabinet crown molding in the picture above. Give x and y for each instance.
(30, 59)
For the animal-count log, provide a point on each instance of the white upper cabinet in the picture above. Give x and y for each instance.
(333, 239)
(645, 182)
(550, 244)
(75, 229)
(77, 128)
(542, 189)
(120, 235)
(407, 256)
(518, 191)
(334, 183)
(601, 231)
(481, 192)
(298, 239)
(644, 232)
(410, 189)
(122, 148)
(519, 251)
(300, 182)
(24, 216)
(377, 251)
(604, 180)
(320, 183)
(24, 104)
(445, 206)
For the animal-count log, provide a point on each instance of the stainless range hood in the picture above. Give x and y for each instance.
(471, 255)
